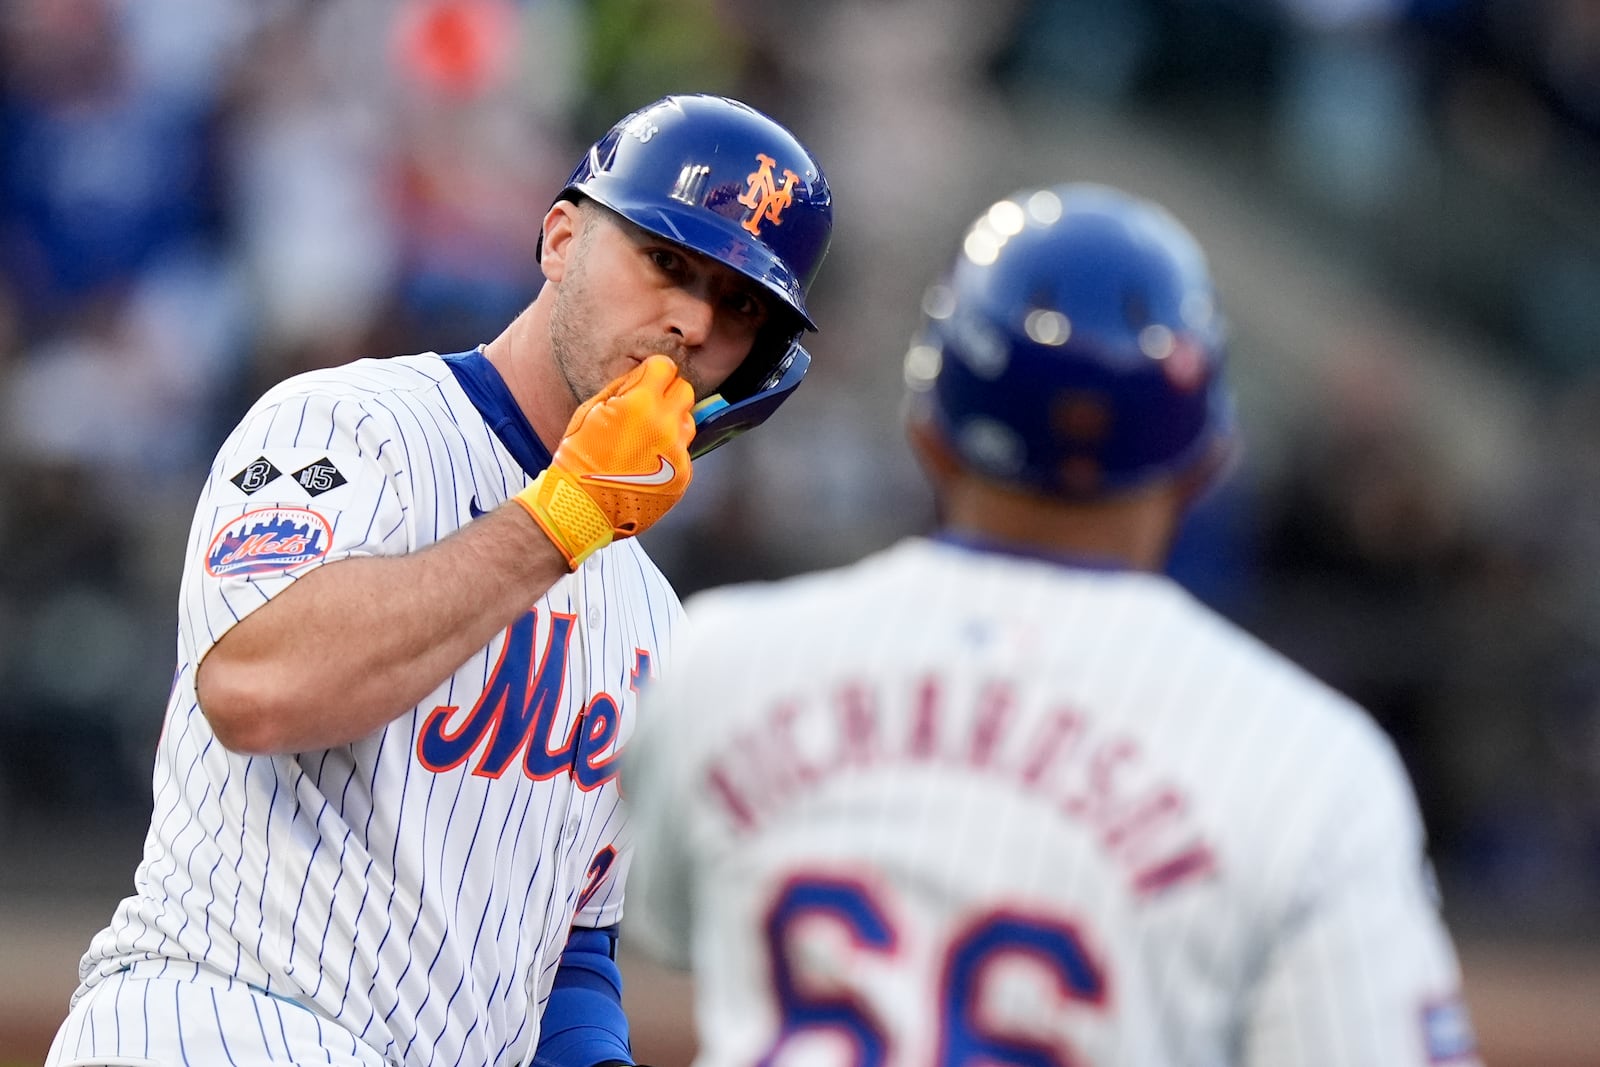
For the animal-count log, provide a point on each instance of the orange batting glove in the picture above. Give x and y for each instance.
(621, 466)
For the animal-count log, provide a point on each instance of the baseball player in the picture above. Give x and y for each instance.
(412, 631)
(1006, 794)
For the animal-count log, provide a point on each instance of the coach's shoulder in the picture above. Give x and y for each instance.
(1271, 696)
(811, 603)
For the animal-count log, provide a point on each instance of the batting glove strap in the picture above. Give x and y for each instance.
(567, 515)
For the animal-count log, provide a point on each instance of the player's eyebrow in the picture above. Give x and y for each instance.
(736, 281)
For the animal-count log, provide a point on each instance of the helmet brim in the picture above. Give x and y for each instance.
(723, 240)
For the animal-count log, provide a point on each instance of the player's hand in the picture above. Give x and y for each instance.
(621, 466)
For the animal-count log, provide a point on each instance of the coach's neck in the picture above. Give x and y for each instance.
(1136, 528)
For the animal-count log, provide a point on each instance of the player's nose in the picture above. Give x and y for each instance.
(691, 313)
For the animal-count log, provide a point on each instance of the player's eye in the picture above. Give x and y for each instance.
(666, 260)
(747, 305)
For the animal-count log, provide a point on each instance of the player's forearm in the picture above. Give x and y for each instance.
(357, 642)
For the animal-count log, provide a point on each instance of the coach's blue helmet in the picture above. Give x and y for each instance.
(1075, 348)
(720, 178)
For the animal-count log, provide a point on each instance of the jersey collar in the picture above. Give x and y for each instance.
(489, 394)
(978, 543)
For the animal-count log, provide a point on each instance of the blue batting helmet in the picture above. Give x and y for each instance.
(720, 178)
(1075, 347)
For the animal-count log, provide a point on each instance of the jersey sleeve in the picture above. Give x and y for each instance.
(304, 480)
(1362, 969)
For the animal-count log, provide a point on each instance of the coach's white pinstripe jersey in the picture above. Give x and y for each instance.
(953, 805)
(415, 887)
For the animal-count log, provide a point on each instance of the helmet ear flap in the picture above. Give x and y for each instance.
(764, 364)
(719, 420)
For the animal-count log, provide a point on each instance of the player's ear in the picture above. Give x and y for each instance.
(938, 462)
(562, 224)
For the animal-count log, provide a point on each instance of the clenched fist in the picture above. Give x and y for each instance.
(622, 464)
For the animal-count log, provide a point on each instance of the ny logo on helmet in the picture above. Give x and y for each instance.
(766, 200)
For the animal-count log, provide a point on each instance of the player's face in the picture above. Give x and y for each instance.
(624, 293)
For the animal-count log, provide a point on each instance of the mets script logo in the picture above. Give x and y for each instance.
(518, 718)
(267, 540)
(763, 196)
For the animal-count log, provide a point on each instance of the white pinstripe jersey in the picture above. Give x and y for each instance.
(416, 887)
(954, 805)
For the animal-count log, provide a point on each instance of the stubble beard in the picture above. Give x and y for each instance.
(570, 346)
(583, 361)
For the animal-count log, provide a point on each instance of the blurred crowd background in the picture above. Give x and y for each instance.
(1401, 199)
